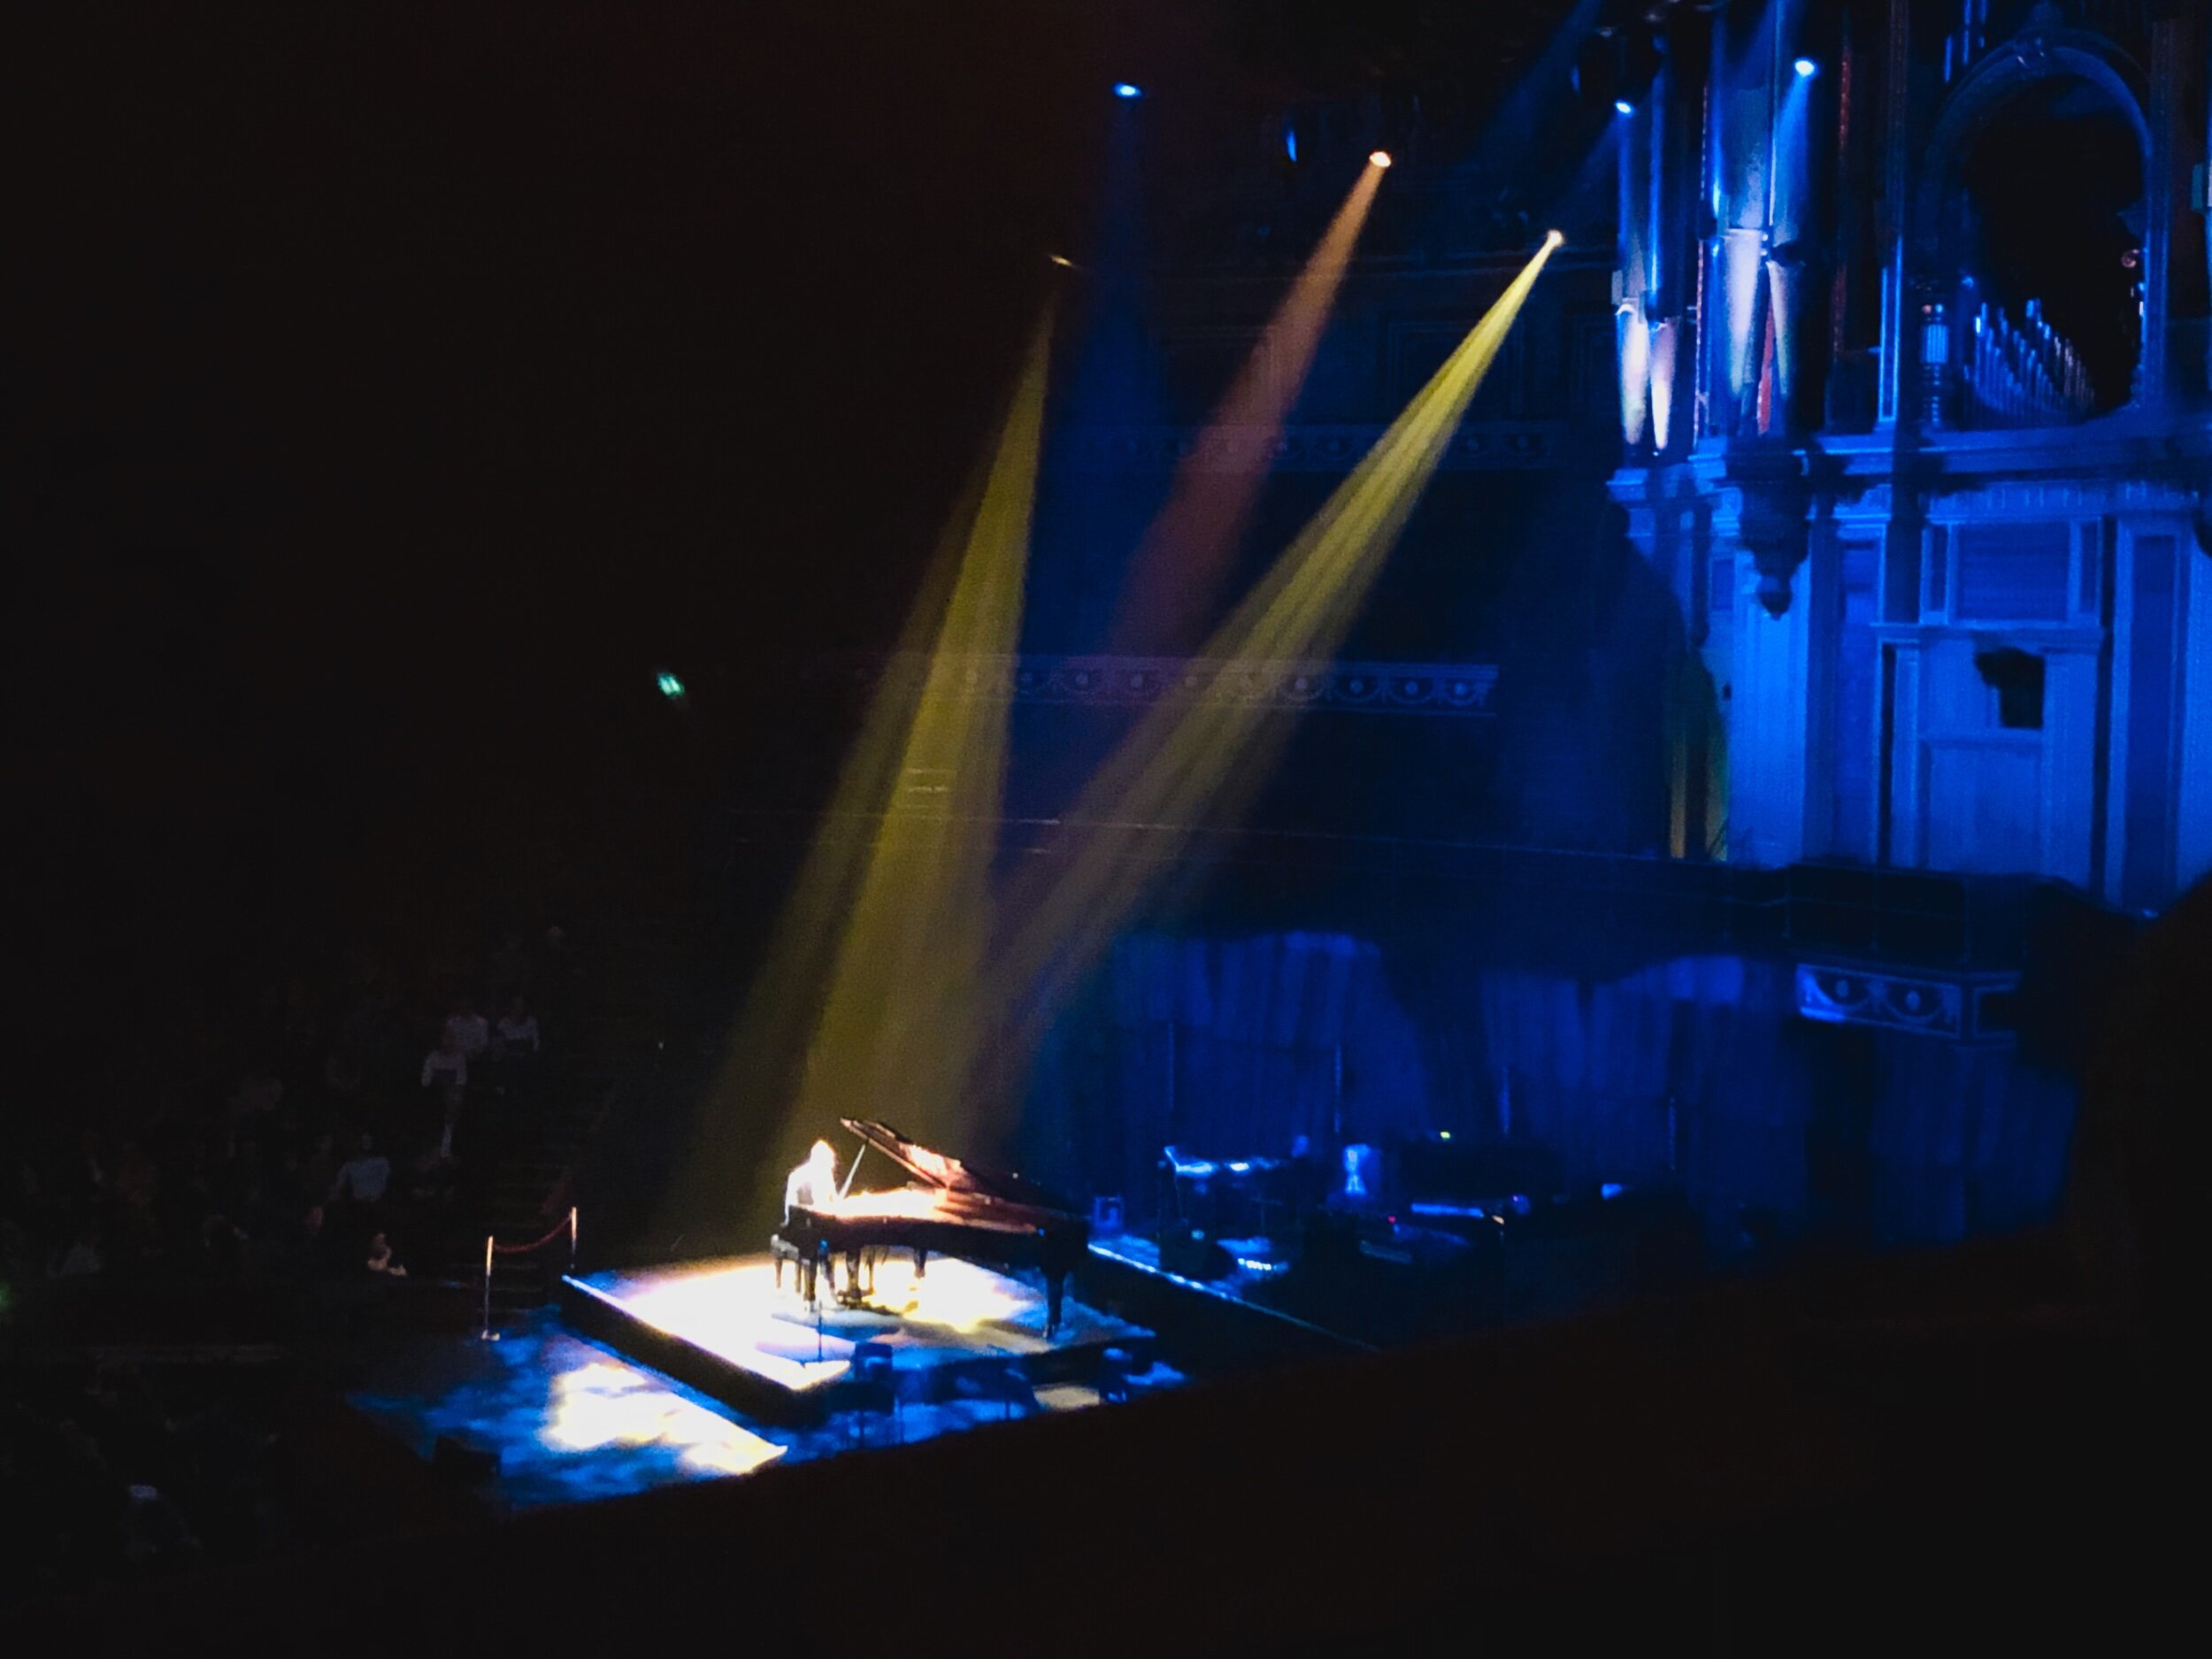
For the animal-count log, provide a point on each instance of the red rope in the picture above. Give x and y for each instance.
(559, 1227)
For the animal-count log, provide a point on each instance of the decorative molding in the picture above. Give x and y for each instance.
(2059, 498)
(1967, 489)
(1434, 689)
(1477, 446)
(1959, 1010)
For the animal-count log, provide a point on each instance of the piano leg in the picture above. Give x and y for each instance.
(1056, 1292)
(921, 1261)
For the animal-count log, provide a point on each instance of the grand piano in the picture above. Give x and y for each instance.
(947, 1209)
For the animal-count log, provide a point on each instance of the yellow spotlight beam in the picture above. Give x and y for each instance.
(1182, 555)
(900, 995)
(844, 874)
(1182, 758)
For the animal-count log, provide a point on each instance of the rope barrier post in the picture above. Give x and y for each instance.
(486, 1335)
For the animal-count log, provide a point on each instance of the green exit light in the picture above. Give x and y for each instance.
(671, 686)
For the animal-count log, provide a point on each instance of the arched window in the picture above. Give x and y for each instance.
(2032, 240)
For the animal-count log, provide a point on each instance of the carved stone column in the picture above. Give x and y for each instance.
(1783, 659)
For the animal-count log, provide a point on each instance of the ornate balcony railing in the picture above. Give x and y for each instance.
(1429, 689)
(1477, 446)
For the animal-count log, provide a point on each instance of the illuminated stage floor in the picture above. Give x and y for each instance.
(569, 1421)
(959, 1331)
(571, 1418)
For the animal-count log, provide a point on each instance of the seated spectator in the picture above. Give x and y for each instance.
(466, 1031)
(362, 1178)
(355, 1207)
(381, 1257)
(447, 1066)
(518, 1030)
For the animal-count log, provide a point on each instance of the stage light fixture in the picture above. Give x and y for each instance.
(1123, 89)
(1062, 260)
(1806, 68)
(1554, 238)
(1621, 106)
(1379, 158)
(671, 688)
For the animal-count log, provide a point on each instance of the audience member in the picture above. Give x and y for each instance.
(518, 1030)
(362, 1178)
(447, 1066)
(242, 1179)
(381, 1257)
(184, 1170)
(465, 1032)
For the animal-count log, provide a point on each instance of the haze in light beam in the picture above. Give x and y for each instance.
(900, 995)
(844, 881)
(1184, 758)
(1179, 564)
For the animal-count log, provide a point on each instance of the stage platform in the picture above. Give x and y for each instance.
(959, 1331)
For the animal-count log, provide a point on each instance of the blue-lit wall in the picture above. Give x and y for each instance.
(1949, 601)
(1691, 1070)
(1793, 629)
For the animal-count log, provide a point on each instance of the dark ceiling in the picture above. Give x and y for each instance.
(389, 390)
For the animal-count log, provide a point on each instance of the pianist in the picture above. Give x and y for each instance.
(814, 1182)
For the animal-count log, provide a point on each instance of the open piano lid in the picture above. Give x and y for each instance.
(949, 1173)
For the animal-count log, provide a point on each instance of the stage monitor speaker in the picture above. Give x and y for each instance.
(1190, 1254)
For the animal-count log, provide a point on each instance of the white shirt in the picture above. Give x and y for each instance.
(453, 1067)
(519, 1035)
(799, 1189)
